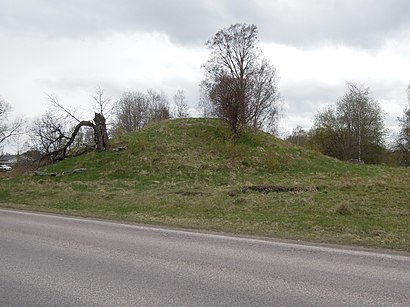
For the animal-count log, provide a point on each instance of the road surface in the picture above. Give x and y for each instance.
(48, 260)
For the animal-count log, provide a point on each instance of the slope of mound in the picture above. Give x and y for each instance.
(200, 150)
(191, 173)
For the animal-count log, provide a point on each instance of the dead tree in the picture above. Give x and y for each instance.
(100, 138)
(100, 132)
(98, 124)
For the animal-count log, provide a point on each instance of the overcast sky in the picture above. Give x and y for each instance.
(70, 47)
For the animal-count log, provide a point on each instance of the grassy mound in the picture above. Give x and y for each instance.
(192, 173)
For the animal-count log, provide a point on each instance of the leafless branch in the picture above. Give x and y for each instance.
(53, 100)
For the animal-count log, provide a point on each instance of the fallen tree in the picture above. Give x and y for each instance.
(57, 142)
(265, 189)
(100, 139)
(73, 171)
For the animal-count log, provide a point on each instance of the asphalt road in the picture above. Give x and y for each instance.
(50, 260)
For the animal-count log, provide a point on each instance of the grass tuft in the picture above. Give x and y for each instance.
(344, 209)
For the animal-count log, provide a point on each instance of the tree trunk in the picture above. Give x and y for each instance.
(100, 139)
(100, 132)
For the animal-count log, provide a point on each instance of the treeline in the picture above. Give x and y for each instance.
(353, 130)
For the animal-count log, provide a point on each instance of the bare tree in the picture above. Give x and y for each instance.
(205, 106)
(264, 97)
(8, 128)
(181, 106)
(131, 111)
(134, 110)
(158, 106)
(4, 110)
(49, 133)
(101, 102)
(237, 67)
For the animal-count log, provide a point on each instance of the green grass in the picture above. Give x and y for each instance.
(189, 173)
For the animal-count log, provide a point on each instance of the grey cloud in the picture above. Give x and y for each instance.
(364, 24)
(184, 21)
(303, 99)
(390, 89)
(310, 96)
(305, 96)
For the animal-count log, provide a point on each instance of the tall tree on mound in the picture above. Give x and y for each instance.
(241, 85)
(55, 140)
